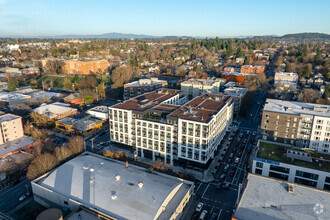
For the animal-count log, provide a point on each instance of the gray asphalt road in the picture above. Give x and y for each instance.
(9, 197)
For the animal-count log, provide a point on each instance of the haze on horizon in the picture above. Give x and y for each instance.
(20, 18)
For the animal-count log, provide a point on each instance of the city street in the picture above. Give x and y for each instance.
(10, 196)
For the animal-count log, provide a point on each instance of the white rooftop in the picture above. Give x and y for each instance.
(8, 117)
(101, 108)
(288, 107)
(146, 82)
(266, 198)
(286, 74)
(207, 82)
(15, 145)
(7, 96)
(91, 180)
(235, 91)
(51, 110)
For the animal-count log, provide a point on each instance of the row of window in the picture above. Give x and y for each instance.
(287, 170)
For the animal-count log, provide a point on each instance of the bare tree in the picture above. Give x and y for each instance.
(44, 85)
(53, 67)
(39, 119)
(121, 75)
(61, 153)
(40, 165)
(76, 144)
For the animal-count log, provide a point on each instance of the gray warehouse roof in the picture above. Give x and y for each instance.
(91, 180)
(266, 198)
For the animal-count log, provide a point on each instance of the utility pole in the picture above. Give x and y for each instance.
(92, 144)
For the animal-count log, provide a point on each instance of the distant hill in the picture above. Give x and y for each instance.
(114, 35)
(307, 36)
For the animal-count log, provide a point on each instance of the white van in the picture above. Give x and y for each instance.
(203, 215)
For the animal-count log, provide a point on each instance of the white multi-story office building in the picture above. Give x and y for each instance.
(196, 87)
(159, 125)
(296, 165)
(301, 124)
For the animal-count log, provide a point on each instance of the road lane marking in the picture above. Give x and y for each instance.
(198, 187)
(205, 190)
(219, 214)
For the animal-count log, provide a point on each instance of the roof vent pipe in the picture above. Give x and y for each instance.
(140, 184)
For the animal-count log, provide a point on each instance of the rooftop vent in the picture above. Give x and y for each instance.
(113, 195)
(92, 170)
(117, 177)
(140, 184)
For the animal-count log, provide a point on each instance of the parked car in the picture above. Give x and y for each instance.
(234, 150)
(231, 155)
(227, 185)
(226, 168)
(229, 161)
(203, 215)
(237, 160)
(22, 198)
(239, 154)
(222, 177)
(214, 216)
(244, 141)
(199, 207)
(232, 173)
(218, 186)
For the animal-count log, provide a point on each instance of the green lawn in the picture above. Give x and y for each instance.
(266, 149)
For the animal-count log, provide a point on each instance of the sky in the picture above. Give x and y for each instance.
(205, 18)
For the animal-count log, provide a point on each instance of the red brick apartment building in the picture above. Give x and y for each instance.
(85, 67)
(252, 69)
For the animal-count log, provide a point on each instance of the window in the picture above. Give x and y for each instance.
(278, 175)
(305, 182)
(327, 179)
(258, 171)
(307, 175)
(279, 169)
(278, 117)
(288, 124)
(259, 164)
(295, 119)
(267, 116)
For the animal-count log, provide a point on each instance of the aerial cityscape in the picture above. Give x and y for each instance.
(167, 110)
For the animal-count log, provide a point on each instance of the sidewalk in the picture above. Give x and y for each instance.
(207, 175)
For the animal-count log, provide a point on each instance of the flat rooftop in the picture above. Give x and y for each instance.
(14, 145)
(296, 108)
(8, 117)
(101, 108)
(206, 82)
(147, 100)
(238, 74)
(286, 74)
(235, 91)
(91, 180)
(201, 108)
(266, 198)
(51, 110)
(145, 82)
(275, 152)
